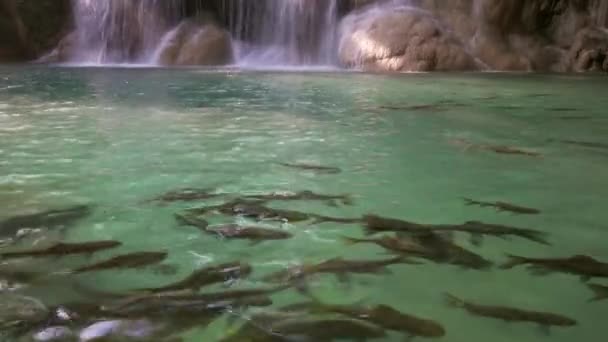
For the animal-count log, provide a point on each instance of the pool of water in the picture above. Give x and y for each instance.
(407, 147)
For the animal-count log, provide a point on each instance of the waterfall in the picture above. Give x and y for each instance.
(265, 32)
(121, 31)
(283, 32)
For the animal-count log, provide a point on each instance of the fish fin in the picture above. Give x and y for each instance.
(476, 239)
(544, 329)
(349, 241)
(454, 301)
(585, 278)
(539, 271)
(513, 261)
(254, 243)
(600, 292)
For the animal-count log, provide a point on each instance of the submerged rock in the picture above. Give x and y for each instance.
(16, 309)
(192, 43)
(400, 39)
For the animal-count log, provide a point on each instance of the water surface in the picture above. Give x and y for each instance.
(115, 138)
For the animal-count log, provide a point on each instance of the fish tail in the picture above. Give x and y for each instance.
(599, 292)
(513, 261)
(454, 301)
(349, 241)
(539, 237)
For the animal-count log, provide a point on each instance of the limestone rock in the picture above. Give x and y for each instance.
(192, 43)
(400, 39)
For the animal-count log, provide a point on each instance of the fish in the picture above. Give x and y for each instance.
(222, 273)
(477, 229)
(48, 219)
(503, 206)
(402, 246)
(255, 209)
(510, 314)
(600, 292)
(255, 234)
(314, 168)
(383, 316)
(589, 144)
(327, 330)
(376, 224)
(63, 249)
(197, 301)
(187, 195)
(125, 261)
(446, 252)
(303, 195)
(582, 265)
(340, 267)
(500, 149)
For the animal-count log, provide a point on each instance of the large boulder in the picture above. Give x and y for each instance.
(400, 39)
(194, 43)
(590, 51)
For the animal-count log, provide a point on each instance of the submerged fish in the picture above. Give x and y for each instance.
(62, 249)
(393, 244)
(503, 206)
(600, 292)
(256, 210)
(132, 260)
(477, 229)
(314, 168)
(500, 149)
(340, 267)
(255, 234)
(376, 224)
(222, 273)
(327, 330)
(509, 314)
(384, 316)
(303, 195)
(582, 265)
(447, 252)
(187, 194)
(48, 219)
(585, 144)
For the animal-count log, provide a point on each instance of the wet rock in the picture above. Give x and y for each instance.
(29, 28)
(58, 333)
(16, 310)
(193, 43)
(400, 39)
(590, 50)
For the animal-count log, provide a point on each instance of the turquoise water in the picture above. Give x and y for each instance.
(115, 138)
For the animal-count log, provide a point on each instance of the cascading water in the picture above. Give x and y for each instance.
(283, 32)
(121, 31)
(265, 32)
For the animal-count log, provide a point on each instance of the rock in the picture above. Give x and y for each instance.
(192, 43)
(57, 333)
(30, 28)
(15, 309)
(400, 39)
(590, 50)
